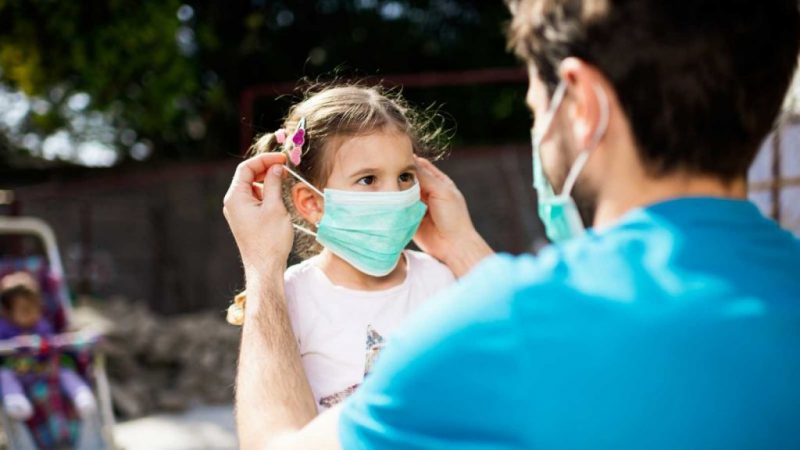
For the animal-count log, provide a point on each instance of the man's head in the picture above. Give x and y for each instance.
(695, 84)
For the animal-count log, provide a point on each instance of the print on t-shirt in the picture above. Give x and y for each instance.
(375, 343)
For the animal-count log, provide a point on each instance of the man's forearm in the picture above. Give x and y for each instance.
(469, 253)
(273, 397)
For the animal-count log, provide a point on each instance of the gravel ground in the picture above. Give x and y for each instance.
(199, 428)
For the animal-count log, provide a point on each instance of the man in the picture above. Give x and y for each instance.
(673, 324)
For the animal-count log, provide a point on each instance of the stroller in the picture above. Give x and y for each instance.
(28, 244)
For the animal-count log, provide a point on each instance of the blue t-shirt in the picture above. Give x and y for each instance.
(678, 328)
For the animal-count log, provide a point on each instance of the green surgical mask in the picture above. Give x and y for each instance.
(369, 230)
(559, 213)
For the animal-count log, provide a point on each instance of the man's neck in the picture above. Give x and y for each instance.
(341, 273)
(647, 191)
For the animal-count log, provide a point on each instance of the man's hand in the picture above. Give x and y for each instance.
(258, 218)
(446, 231)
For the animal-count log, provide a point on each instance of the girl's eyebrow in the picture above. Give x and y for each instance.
(365, 171)
(371, 170)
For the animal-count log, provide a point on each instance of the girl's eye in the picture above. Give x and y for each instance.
(366, 181)
(407, 177)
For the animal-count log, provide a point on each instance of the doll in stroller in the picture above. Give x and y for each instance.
(21, 306)
(53, 390)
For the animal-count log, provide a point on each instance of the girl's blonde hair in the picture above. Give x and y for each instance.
(343, 110)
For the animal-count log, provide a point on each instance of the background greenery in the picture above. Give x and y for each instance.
(161, 79)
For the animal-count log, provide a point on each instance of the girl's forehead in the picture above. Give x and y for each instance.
(375, 149)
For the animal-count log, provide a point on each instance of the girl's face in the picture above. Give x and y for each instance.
(381, 161)
(378, 162)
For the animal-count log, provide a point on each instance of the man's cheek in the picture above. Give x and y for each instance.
(553, 162)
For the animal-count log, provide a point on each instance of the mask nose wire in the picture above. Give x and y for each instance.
(310, 186)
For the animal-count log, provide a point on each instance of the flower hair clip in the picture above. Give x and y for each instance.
(293, 147)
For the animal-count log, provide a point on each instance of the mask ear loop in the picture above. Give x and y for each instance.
(310, 186)
(547, 119)
(583, 158)
(303, 180)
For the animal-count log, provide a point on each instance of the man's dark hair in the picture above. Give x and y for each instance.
(701, 81)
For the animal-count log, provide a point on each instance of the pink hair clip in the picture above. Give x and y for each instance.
(295, 155)
(280, 136)
(295, 150)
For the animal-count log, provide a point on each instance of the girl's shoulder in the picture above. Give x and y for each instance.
(299, 273)
(423, 265)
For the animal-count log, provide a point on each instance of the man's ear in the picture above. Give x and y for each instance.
(307, 203)
(587, 88)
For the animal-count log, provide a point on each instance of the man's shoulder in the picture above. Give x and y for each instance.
(478, 304)
(505, 288)
(507, 276)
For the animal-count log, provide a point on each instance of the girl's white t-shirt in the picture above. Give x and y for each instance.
(340, 331)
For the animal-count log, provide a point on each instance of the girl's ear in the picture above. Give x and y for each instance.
(307, 202)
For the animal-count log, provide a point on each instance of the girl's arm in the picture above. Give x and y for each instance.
(447, 232)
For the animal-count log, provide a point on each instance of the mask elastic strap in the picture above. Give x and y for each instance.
(304, 230)
(558, 97)
(303, 180)
(583, 157)
(310, 186)
(574, 171)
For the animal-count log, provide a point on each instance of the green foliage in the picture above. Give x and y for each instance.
(122, 53)
(176, 81)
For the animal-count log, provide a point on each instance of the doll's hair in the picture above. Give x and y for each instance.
(18, 285)
(342, 110)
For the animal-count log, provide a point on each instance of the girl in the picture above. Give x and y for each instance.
(354, 196)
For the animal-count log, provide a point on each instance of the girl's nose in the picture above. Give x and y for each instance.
(392, 187)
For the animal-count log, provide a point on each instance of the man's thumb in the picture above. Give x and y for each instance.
(272, 186)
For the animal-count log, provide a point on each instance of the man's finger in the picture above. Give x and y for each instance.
(430, 169)
(428, 180)
(272, 187)
(258, 189)
(252, 170)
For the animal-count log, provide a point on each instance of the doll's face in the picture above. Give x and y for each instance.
(24, 311)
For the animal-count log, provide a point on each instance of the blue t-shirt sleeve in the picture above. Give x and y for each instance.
(437, 383)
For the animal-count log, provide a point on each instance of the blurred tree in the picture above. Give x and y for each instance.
(165, 76)
(119, 72)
